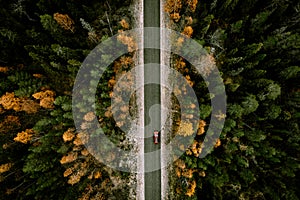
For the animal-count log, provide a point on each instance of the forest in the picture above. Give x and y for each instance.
(255, 46)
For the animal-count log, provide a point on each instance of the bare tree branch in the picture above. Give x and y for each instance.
(109, 23)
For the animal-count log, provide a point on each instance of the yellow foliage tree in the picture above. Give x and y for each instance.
(192, 4)
(218, 143)
(175, 16)
(127, 40)
(195, 149)
(124, 24)
(90, 116)
(126, 61)
(97, 175)
(70, 157)
(64, 21)
(112, 82)
(188, 31)
(3, 69)
(180, 164)
(68, 135)
(188, 79)
(5, 167)
(180, 64)
(9, 101)
(191, 189)
(68, 172)
(173, 6)
(201, 126)
(24, 136)
(185, 128)
(188, 173)
(46, 98)
(74, 178)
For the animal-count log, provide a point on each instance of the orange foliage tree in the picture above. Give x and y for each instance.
(124, 24)
(188, 31)
(46, 98)
(64, 21)
(9, 101)
(173, 7)
(24, 136)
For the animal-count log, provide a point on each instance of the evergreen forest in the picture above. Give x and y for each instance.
(255, 45)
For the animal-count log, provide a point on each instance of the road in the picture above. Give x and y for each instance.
(151, 98)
